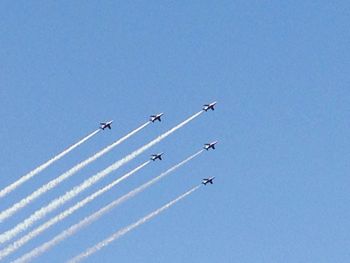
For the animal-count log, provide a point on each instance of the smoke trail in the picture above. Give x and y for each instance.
(128, 228)
(22, 241)
(95, 216)
(40, 168)
(53, 183)
(37, 215)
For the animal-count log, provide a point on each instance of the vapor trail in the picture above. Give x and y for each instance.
(40, 168)
(128, 228)
(55, 182)
(37, 215)
(95, 216)
(22, 241)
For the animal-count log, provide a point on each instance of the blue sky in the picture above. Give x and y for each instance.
(279, 73)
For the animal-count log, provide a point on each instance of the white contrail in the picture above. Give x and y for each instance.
(40, 168)
(55, 182)
(95, 216)
(22, 241)
(128, 228)
(37, 215)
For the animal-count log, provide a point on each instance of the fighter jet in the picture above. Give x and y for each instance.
(156, 156)
(207, 146)
(209, 106)
(104, 125)
(205, 181)
(154, 118)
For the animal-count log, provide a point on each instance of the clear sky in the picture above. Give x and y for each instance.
(280, 73)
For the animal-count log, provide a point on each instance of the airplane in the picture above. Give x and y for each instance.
(153, 118)
(205, 181)
(156, 156)
(207, 146)
(209, 106)
(104, 125)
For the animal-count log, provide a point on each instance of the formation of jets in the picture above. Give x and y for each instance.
(104, 125)
(157, 117)
(156, 156)
(207, 146)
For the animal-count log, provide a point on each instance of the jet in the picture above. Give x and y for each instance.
(205, 181)
(104, 125)
(207, 146)
(156, 156)
(209, 106)
(154, 118)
